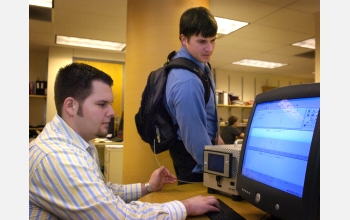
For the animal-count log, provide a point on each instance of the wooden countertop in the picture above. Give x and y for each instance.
(180, 192)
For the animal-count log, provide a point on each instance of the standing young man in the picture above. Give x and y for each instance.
(197, 120)
(65, 180)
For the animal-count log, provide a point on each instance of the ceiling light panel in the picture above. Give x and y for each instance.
(259, 63)
(83, 42)
(310, 43)
(226, 26)
(41, 3)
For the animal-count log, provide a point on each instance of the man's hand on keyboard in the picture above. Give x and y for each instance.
(199, 205)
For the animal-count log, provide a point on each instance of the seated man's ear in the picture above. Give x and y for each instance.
(70, 106)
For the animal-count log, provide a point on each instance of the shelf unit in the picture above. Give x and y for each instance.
(38, 96)
(242, 107)
(38, 105)
(36, 128)
(235, 106)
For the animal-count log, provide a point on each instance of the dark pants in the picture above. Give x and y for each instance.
(184, 164)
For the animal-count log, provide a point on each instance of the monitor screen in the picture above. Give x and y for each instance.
(111, 128)
(279, 167)
(121, 126)
(219, 165)
(281, 133)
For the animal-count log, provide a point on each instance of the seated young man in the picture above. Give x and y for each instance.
(231, 132)
(65, 180)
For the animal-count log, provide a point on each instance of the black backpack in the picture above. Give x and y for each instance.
(153, 122)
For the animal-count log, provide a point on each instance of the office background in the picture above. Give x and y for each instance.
(150, 40)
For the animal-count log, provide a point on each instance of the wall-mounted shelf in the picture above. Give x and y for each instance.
(36, 128)
(38, 96)
(235, 106)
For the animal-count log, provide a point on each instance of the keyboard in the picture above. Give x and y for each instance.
(225, 213)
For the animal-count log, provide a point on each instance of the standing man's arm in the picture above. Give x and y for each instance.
(187, 104)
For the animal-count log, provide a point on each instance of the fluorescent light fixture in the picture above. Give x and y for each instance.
(41, 3)
(310, 43)
(259, 63)
(226, 26)
(83, 42)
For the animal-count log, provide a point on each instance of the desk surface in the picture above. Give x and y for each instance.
(103, 141)
(180, 192)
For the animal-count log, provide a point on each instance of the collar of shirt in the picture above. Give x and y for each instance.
(184, 53)
(58, 125)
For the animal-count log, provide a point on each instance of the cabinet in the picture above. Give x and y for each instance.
(113, 163)
(37, 112)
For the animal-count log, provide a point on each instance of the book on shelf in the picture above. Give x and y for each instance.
(41, 87)
(219, 96)
(237, 102)
(225, 98)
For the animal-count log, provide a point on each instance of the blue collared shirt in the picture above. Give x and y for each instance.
(185, 100)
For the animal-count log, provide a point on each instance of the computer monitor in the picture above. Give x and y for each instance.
(111, 128)
(121, 126)
(279, 168)
(116, 134)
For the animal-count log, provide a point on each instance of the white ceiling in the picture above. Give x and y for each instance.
(273, 26)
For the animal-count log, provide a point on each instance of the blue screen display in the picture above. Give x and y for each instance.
(279, 141)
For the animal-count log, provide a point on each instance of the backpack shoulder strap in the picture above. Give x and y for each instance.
(187, 64)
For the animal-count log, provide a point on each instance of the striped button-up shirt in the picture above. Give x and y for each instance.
(65, 182)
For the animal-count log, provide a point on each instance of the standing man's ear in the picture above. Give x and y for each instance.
(183, 39)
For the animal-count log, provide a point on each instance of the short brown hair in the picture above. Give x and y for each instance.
(198, 20)
(75, 80)
(232, 119)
